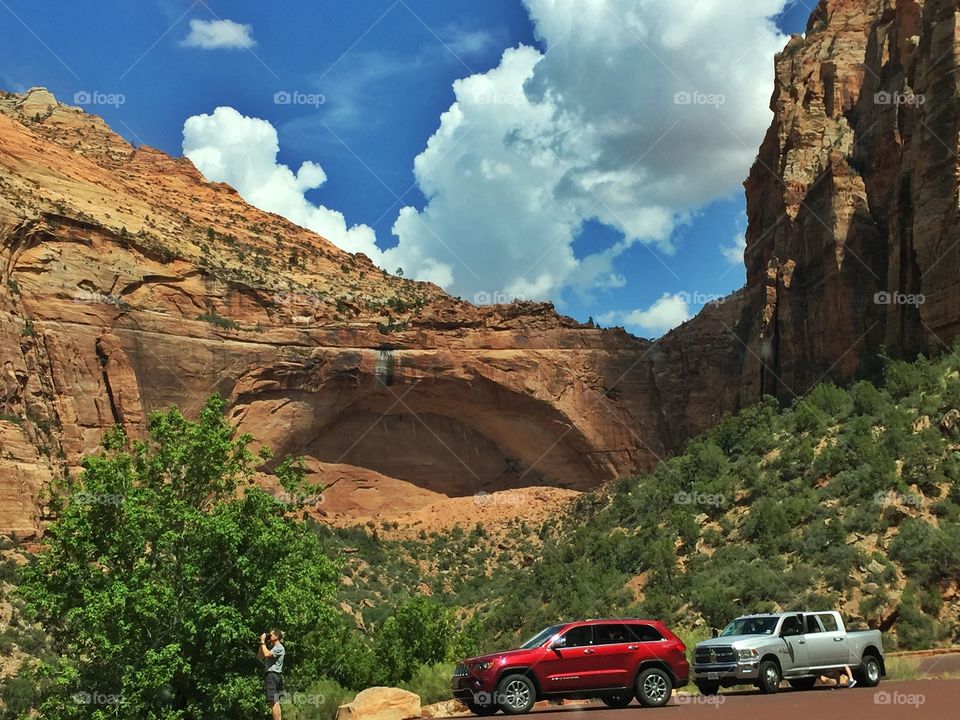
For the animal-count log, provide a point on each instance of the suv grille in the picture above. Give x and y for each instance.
(711, 655)
(460, 671)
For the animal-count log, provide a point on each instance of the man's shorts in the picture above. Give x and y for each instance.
(273, 687)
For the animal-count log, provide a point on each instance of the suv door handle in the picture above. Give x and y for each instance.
(838, 639)
(632, 647)
(589, 651)
(802, 642)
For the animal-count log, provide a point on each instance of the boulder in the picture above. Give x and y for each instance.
(444, 709)
(381, 703)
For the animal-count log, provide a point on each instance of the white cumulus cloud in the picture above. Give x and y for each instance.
(242, 151)
(665, 314)
(734, 253)
(639, 113)
(219, 34)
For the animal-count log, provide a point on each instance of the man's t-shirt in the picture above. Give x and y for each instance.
(274, 661)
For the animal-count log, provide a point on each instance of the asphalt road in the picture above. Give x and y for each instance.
(916, 699)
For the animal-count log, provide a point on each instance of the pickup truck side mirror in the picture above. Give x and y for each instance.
(714, 632)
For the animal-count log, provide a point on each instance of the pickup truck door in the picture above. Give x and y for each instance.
(793, 657)
(826, 641)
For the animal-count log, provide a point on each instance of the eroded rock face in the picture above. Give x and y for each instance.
(130, 284)
(852, 201)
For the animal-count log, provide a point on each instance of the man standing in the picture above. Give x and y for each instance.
(272, 652)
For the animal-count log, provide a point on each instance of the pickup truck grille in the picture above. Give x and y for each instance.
(713, 655)
(460, 671)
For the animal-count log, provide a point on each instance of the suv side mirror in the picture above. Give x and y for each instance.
(557, 643)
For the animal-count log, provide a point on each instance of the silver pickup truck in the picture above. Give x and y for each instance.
(798, 647)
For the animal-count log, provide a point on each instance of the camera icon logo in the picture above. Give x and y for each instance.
(682, 98)
(82, 97)
(282, 98)
(883, 98)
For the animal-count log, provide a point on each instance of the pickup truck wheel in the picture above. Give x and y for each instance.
(516, 694)
(708, 688)
(769, 681)
(803, 683)
(616, 701)
(654, 687)
(868, 674)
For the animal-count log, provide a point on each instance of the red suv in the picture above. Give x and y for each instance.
(613, 660)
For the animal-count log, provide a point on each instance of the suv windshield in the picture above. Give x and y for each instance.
(751, 626)
(541, 637)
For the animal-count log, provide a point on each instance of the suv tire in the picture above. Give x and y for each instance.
(708, 688)
(868, 674)
(516, 694)
(653, 687)
(769, 680)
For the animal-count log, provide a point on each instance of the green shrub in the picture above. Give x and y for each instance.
(431, 682)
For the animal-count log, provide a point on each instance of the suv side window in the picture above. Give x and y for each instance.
(829, 622)
(612, 634)
(579, 636)
(791, 626)
(812, 625)
(644, 633)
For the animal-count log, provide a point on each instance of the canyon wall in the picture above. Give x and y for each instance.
(128, 284)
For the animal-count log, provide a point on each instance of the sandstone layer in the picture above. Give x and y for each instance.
(128, 284)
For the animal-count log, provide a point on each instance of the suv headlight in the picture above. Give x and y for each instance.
(747, 655)
(481, 666)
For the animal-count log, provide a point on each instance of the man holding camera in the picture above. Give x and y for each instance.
(271, 652)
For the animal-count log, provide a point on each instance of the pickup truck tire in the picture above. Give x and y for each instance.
(868, 674)
(769, 680)
(803, 683)
(708, 688)
(654, 687)
(617, 701)
(516, 694)
(481, 710)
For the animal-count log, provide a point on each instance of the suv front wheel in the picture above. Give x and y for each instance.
(516, 694)
(654, 687)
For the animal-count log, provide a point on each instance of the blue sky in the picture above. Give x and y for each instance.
(369, 82)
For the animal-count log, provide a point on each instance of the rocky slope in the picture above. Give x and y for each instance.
(129, 284)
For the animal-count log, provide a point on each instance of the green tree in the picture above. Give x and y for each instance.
(420, 632)
(164, 564)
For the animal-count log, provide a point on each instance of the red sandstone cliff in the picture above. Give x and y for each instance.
(129, 284)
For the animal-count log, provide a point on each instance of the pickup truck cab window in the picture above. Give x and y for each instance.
(829, 622)
(813, 625)
(792, 625)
